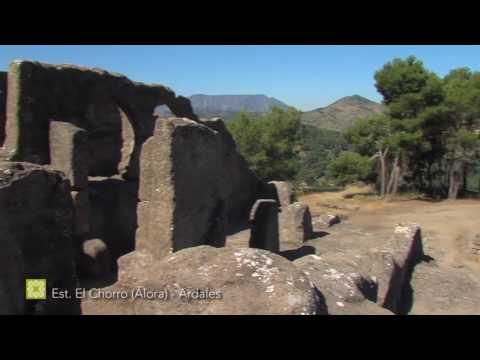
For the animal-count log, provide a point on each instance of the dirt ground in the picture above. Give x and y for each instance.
(450, 283)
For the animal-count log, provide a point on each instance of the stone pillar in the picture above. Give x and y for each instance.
(264, 225)
(69, 152)
(295, 224)
(282, 192)
(181, 191)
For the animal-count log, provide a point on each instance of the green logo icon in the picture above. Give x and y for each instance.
(36, 289)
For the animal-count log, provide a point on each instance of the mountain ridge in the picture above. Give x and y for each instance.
(228, 105)
(342, 113)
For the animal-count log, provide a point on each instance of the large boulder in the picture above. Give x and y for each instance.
(36, 237)
(236, 281)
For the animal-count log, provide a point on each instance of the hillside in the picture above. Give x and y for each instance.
(342, 113)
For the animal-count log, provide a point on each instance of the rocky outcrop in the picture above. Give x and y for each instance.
(36, 238)
(379, 274)
(213, 281)
(3, 105)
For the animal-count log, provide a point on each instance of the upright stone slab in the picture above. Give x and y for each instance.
(69, 152)
(295, 224)
(281, 191)
(36, 230)
(181, 192)
(3, 105)
(264, 226)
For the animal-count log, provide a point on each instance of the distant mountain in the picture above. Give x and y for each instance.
(342, 113)
(226, 106)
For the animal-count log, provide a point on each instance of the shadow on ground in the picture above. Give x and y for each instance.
(295, 254)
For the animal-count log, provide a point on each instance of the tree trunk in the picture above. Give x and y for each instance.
(383, 171)
(393, 175)
(456, 181)
(382, 176)
(397, 180)
(464, 178)
(430, 178)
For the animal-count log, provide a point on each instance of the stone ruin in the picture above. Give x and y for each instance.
(89, 174)
(99, 191)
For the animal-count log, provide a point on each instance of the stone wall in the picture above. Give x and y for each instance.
(242, 186)
(3, 105)
(182, 194)
(35, 238)
(116, 112)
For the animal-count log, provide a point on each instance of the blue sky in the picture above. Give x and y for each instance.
(306, 77)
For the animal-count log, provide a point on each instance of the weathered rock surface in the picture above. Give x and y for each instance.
(382, 266)
(182, 198)
(347, 291)
(241, 185)
(282, 192)
(69, 152)
(217, 281)
(100, 102)
(3, 105)
(264, 226)
(295, 224)
(397, 258)
(36, 236)
(438, 290)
